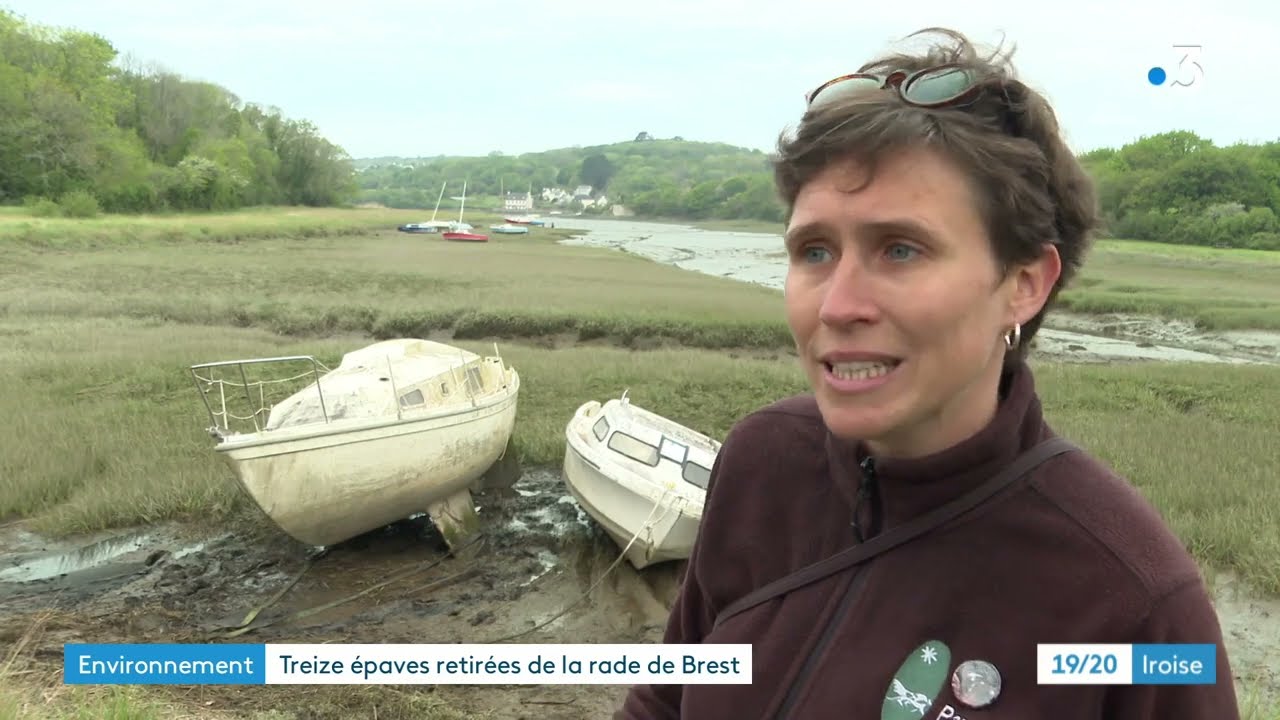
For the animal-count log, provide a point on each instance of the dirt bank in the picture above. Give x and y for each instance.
(1138, 337)
(539, 555)
(755, 258)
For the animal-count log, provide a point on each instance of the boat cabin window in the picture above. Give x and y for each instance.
(411, 398)
(634, 448)
(673, 450)
(601, 428)
(444, 389)
(696, 474)
(475, 382)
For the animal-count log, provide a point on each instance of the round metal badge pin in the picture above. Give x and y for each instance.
(976, 683)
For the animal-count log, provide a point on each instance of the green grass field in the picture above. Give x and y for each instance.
(98, 326)
(1217, 289)
(108, 331)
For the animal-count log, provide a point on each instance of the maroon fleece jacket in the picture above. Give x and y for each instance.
(1069, 554)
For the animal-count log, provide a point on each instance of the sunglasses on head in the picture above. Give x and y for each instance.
(933, 87)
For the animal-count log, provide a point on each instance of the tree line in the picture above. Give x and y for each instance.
(650, 176)
(80, 132)
(1173, 187)
(1178, 187)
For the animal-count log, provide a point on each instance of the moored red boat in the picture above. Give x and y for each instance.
(465, 237)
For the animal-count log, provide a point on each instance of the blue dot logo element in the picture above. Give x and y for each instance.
(1156, 76)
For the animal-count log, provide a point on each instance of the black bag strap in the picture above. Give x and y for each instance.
(884, 542)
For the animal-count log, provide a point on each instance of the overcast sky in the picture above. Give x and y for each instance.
(425, 77)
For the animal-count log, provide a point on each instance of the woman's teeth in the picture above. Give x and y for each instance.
(860, 370)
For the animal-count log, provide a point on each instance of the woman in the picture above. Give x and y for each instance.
(934, 213)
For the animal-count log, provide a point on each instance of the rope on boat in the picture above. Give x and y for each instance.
(646, 528)
(247, 625)
(248, 619)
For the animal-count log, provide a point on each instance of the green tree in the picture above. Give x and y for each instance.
(597, 171)
(74, 123)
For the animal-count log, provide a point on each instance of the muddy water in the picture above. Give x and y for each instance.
(530, 578)
(755, 258)
(538, 557)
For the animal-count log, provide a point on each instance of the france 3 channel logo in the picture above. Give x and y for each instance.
(1184, 70)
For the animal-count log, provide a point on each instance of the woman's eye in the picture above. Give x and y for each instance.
(900, 251)
(815, 254)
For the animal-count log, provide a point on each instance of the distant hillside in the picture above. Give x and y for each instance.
(675, 178)
(1173, 187)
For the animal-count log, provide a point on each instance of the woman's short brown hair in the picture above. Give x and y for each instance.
(1031, 188)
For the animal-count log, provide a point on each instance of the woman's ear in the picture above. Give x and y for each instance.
(1031, 284)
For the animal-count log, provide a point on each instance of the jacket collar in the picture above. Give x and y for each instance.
(907, 487)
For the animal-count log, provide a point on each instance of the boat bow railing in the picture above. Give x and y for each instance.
(221, 417)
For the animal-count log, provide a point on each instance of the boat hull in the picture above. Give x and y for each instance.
(329, 485)
(623, 509)
(509, 229)
(465, 237)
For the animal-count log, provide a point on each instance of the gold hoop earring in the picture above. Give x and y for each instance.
(1013, 338)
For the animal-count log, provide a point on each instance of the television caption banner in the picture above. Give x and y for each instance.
(375, 664)
(1112, 664)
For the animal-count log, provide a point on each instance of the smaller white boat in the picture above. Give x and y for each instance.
(430, 226)
(510, 229)
(641, 476)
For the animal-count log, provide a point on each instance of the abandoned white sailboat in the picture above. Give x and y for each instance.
(641, 476)
(399, 428)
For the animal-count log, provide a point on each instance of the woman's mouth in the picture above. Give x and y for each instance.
(859, 375)
(860, 370)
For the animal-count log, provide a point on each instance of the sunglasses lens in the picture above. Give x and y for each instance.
(939, 85)
(841, 89)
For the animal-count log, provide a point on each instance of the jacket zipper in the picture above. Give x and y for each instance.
(866, 489)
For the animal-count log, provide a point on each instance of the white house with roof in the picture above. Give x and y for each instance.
(555, 195)
(518, 202)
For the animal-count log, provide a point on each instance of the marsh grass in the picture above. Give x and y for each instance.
(114, 431)
(98, 325)
(95, 344)
(1217, 289)
(1214, 288)
(388, 284)
(299, 223)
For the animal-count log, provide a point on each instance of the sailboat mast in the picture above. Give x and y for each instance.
(438, 199)
(464, 201)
